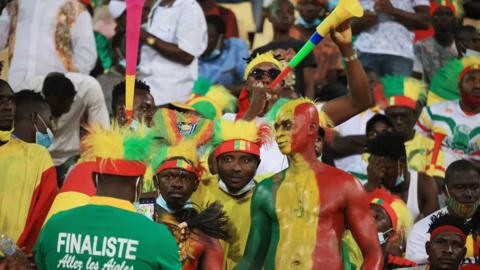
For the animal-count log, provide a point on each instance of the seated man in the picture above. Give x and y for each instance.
(107, 232)
(29, 180)
(299, 215)
(236, 153)
(387, 168)
(33, 118)
(446, 246)
(177, 175)
(462, 188)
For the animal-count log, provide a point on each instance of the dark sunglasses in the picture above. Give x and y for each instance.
(258, 74)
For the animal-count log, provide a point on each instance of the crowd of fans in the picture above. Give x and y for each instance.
(366, 156)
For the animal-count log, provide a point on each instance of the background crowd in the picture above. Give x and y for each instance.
(397, 93)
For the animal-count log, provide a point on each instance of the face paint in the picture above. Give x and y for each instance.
(461, 209)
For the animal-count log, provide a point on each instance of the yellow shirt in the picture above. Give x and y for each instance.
(22, 168)
(238, 211)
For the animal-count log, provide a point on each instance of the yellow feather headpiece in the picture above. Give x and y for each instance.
(404, 91)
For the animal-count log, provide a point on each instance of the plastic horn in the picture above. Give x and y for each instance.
(134, 17)
(345, 10)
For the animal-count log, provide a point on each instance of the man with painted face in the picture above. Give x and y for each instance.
(387, 169)
(177, 175)
(29, 179)
(446, 246)
(299, 215)
(33, 118)
(236, 150)
(107, 232)
(454, 124)
(462, 187)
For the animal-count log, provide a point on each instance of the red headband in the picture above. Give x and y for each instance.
(120, 167)
(450, 229)
(434, 6)
(237, 146)
(179, 164)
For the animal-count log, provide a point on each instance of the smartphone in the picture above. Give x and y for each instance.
(147, 207)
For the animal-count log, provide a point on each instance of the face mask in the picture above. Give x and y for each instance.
(123, 63)
(44, 139)
(400, 178)
(319, 158)
(308, 25)
(470, 52)
(382, 238)
(5, 135)
(460, 209)
(214, 54)
(470, 100)
(161, 201)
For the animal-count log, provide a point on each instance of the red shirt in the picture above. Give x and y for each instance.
(231, 28)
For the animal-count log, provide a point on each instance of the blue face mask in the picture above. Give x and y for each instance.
(400, 178)
(44, 139)
(302, 22)
(162, 203)
(469, 52)
(123, 63)
(382, 238)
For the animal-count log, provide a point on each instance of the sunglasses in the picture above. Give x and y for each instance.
(258, 74)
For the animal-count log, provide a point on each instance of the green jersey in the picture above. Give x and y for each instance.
(107, 234)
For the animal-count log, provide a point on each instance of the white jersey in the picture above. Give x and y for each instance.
(462, 130)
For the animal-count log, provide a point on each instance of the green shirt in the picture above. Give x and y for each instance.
(106, 234)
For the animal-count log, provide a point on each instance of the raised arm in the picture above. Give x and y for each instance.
(260, 232)
(343, 108)
(362, 225)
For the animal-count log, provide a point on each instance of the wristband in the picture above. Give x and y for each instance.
(351, 58)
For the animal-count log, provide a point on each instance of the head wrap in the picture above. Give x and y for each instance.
(267, 57)
(396, 210)
(446, 80)
(403, 91)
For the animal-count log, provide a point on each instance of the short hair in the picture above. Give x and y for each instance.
(388, 144)
(218, 22)
(272, 8)
(461, 165)
(28, 96)
(58, 85)
(4, 84)
(443, 219)
(119, 90)
(378, 118)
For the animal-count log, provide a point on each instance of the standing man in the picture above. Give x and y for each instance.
(385, 34)
(46, 36)
(299, 215)
(28, 177)
(174, 38)
(107, 233)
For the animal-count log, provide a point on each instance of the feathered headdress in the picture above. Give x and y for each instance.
(403, 91)
(118, 151)
(211, 100)
(445, 81)
(176, 139)
(267, 57)
(239, 136)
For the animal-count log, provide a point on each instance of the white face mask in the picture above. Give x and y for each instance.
(400, 178)
(382, 238)
(470, 52)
